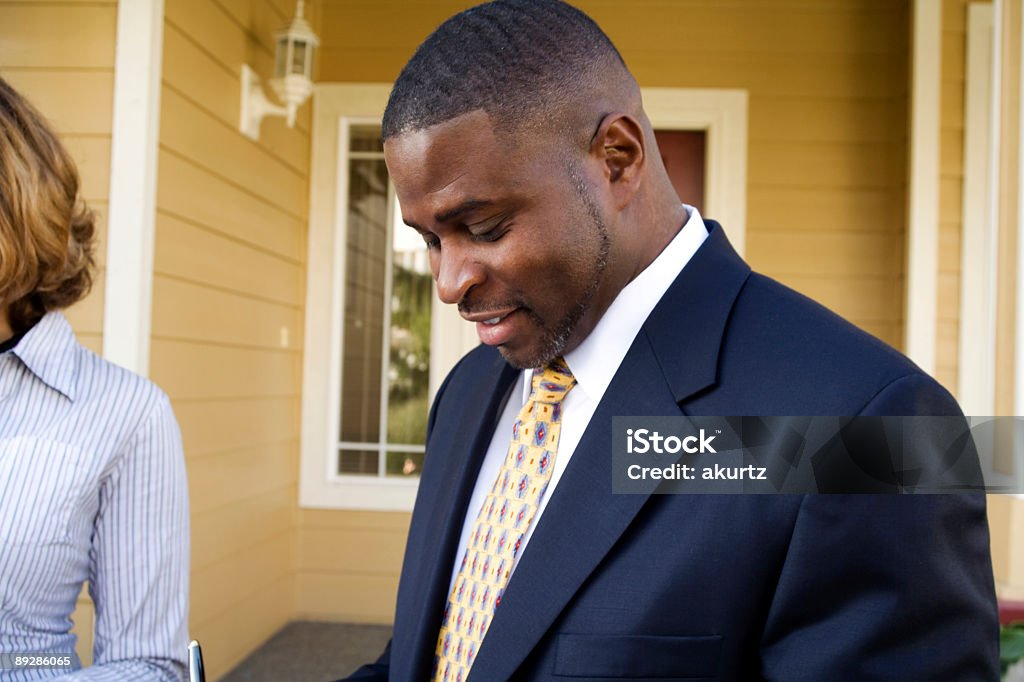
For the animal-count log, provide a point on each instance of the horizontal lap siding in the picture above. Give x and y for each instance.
(349, 563)
(951, 149)
(60, 55)
(827, 133)
(228, 297)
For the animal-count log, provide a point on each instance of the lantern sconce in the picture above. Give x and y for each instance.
(292, 82)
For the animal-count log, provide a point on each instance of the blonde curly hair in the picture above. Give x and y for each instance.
(46, 231)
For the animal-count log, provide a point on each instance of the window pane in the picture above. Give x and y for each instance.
(404, 464)
(365, 139)
(281, 58)
(299, 58)
(357, 462)
(366, 253)
(409, 358)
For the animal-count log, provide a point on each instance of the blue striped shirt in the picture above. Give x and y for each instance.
(92, 487)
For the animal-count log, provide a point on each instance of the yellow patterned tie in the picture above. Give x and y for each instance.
(500, 526)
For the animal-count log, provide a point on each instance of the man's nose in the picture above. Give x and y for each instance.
(457, 273)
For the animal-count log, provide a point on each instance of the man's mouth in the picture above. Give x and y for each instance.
(494, 327)
(488, 316)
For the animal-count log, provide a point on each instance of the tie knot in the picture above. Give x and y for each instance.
(552, 382)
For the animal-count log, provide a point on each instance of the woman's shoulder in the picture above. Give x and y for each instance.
(92, 384)
(77, 397)
(101, 380)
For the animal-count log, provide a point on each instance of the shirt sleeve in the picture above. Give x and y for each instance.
(139, 560)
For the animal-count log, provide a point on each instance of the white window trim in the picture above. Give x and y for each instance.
(1018, 359)
(923, 209)
(131, 224)
(1018, 401)
(722, 114)
(334, 108)
(976, 379)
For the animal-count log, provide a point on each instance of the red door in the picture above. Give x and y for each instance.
(682, 152)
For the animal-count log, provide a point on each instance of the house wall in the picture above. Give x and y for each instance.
(1008, 206)
(60, 55)
(228, 296)
(828, 86)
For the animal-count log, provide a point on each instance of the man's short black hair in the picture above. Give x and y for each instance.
(521, 61)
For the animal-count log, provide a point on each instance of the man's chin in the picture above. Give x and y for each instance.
(517, 360)
(528, 358)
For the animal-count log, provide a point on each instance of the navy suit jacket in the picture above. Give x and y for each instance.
(730, 587)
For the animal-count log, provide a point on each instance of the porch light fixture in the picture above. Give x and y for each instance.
(292, 82)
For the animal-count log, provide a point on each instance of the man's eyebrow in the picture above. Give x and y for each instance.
(452, 213)
(464, 207)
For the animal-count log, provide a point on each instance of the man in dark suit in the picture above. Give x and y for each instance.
(519, 149)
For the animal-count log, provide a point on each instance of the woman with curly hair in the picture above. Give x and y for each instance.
(92, 476)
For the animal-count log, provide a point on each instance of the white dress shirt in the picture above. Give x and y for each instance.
(594, 363)
(92, 487)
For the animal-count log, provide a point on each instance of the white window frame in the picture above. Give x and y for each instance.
(382, 446)
(1018, 334)
(721, 114)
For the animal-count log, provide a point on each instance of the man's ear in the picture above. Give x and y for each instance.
(619, 146)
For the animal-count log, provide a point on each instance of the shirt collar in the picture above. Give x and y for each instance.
(596, 360)
(48, 350)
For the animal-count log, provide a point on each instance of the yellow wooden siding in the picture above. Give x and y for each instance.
(1009, 173)
(60, 55)
(348, 565)
(228, 297)
(951, 148)
(62, 36)
(220, 584)
(193, 194)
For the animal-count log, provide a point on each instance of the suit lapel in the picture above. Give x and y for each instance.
(458, 444)
(687, 328)
(673, 357)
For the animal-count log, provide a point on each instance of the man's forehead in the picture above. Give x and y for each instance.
(476, 124)
(433, 159)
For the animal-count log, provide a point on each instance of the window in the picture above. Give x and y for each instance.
(377, 344)
(385, 340)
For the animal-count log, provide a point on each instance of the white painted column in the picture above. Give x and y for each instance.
(1018, 336)
(1018, 332)
(976, 381)
(923, 214)
(133, 168)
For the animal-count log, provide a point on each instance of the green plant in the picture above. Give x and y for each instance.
(1011, 644)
